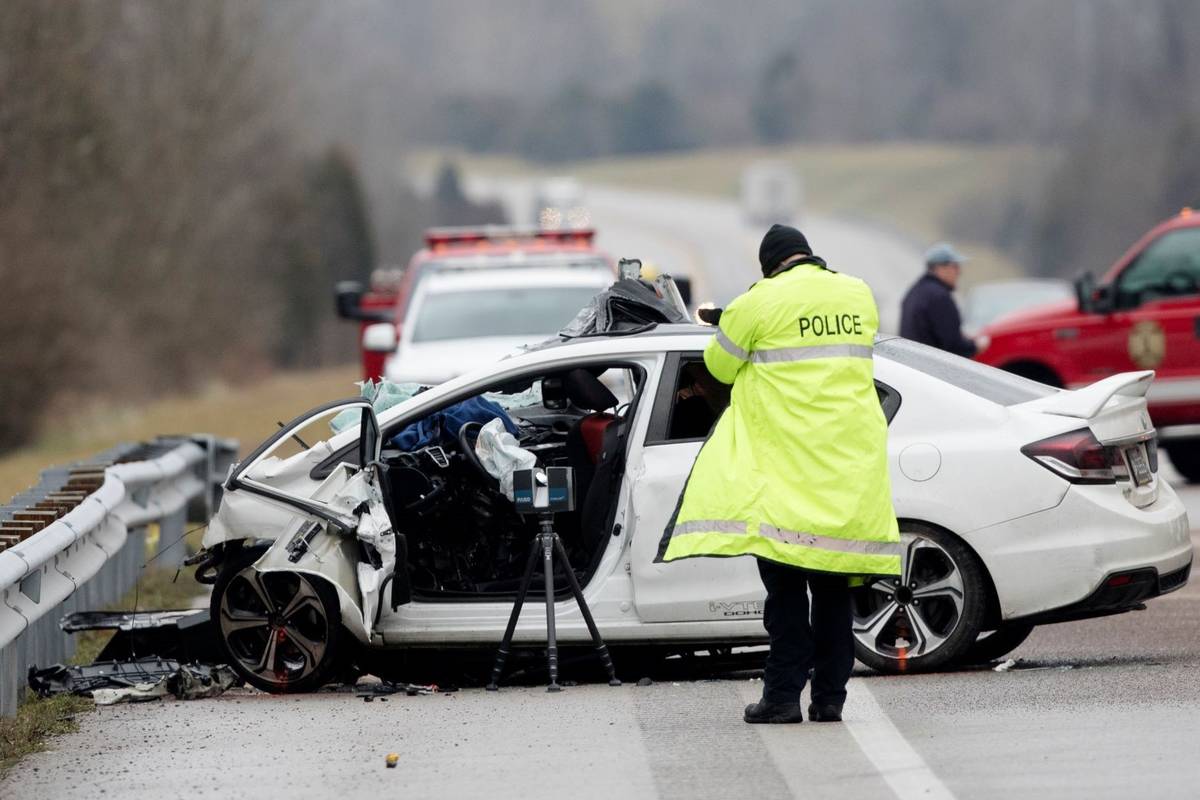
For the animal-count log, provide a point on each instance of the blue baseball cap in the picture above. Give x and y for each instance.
(943, 253)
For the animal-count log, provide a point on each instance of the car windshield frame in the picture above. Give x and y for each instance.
(436, 320)
(992, 384)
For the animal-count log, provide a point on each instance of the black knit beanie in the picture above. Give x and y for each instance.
(780, 242)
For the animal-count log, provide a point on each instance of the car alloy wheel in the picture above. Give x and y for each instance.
(930, 614)
(279, 629)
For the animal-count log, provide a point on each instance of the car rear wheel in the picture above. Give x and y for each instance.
(1185, 458)
(280, 630)
(931, 614)
(996, 644)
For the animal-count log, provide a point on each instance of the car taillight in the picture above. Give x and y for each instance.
(1076, 456)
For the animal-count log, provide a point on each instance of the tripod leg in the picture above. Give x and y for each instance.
(601, 648)
(547, 542)
(506, 642)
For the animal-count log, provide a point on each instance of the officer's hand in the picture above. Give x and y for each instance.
(981, 343)
(709, 316)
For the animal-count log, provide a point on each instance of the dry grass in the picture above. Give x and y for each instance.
(246, 413)
(36, 721)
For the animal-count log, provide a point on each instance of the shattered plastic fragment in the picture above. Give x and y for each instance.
(383, 395)
(110, 682)
(1006, 666)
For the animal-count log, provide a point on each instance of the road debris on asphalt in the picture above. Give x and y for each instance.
(1006, 666)
(135, 681)
(392, 759)
(185, 636)
(151, 655)
(368, 691)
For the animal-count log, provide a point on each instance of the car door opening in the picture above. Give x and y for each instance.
(464, 538)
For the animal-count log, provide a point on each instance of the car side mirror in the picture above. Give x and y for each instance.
(348, 296)
(380, 337)
(1085, 284)
(1103, 299)
(1093, 299)
(684, 284)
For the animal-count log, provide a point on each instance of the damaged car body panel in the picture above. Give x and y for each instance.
(339, 533)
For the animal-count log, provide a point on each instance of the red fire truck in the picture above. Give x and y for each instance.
(391, 291)
(1144, 313)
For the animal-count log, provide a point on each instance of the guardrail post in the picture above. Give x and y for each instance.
(172, 550)
(12, 677)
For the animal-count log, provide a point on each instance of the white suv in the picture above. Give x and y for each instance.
(463, 319)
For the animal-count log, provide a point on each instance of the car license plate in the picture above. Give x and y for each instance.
(1138, 465)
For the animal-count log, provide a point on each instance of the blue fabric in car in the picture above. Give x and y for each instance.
(442, 426)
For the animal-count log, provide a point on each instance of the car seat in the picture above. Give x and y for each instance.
(594, 449)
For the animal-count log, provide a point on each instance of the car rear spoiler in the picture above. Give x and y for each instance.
(1086, 402)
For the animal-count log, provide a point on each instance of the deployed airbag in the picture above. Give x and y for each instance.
(501, 456)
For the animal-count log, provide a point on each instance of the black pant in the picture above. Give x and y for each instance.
(826, 646)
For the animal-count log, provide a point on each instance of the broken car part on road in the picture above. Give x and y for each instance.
(151, 678)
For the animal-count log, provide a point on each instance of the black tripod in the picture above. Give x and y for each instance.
(548, 543)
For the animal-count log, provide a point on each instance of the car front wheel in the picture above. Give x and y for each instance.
(928, 616)
(280, 630)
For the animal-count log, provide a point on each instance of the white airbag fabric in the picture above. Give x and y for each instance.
(501, 456)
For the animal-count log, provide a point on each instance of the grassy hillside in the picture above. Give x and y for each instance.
(922, 191)
(246, 413)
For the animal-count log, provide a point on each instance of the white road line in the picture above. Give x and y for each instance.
(905, 772)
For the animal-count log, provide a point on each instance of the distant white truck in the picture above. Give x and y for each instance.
(558, 203)
(771, 192)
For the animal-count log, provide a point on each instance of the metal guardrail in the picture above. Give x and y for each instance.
(76, 541)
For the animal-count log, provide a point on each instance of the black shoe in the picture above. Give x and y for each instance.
(824, 713)
(781, 713)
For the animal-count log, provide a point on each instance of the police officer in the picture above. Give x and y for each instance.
(795, 471)
(928, 314)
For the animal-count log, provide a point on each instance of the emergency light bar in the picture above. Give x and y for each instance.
(442, 238)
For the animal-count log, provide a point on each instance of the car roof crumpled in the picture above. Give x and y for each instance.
(627, 306)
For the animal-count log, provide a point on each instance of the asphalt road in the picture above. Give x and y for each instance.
(1102, 708)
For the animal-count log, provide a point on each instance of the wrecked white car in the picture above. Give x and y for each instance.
(1018, 506)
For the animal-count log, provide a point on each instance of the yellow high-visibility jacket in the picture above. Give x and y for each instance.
(795, 470)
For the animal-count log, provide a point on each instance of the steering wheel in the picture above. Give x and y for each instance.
(468, 434)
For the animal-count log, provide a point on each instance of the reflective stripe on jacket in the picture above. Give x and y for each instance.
(795, 470)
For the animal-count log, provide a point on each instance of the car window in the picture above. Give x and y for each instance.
(1168, 267)
(699, 399)
(529, 399)
(990, 383)
(688, 405)
(524, 311)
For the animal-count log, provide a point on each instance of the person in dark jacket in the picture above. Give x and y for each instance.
(929, 314)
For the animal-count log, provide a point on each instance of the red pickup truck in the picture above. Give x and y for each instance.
(1144, 313)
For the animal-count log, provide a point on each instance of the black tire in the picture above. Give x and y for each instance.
(1185, 458)
(894, 633)
(307, 647)
(994, 645)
